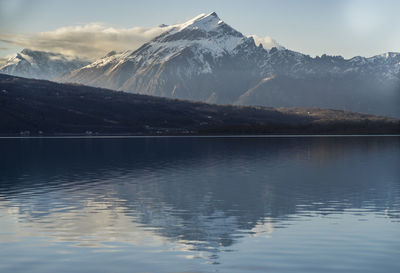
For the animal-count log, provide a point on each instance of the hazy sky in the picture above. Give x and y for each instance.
(92, 27)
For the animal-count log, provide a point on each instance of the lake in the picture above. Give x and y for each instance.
(200, 204)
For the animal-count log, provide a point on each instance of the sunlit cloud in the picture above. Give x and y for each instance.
(86, 41)
(3, 60)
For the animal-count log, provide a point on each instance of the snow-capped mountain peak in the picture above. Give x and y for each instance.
(204, 35)
(205, 22)
(39, 64)
(200, 27)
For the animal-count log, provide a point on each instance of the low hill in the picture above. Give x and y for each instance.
(39, 107)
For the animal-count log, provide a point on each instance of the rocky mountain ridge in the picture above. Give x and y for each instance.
(41, 65)
(205, 59)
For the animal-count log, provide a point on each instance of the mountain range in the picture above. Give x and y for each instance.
(41, 65)
(205, 59)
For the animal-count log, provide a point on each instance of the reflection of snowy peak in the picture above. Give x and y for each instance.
(41, 65)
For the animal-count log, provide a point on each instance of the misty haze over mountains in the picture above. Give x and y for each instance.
(204, 59)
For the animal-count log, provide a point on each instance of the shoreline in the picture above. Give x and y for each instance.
(199, 136)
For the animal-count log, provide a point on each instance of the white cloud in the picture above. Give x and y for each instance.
(267, 42)
(86, 41)
(3, 60)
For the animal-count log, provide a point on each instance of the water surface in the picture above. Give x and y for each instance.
(238, 204)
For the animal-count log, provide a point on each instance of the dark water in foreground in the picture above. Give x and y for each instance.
(329, 204)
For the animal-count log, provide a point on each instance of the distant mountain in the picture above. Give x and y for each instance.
(39, 107)
(205, 59)
(40, 65)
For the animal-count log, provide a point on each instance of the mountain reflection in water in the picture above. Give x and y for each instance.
(195, 196)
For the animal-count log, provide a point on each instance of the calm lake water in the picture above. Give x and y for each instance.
(238, 204)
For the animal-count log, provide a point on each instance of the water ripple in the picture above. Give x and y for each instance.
(200, 204)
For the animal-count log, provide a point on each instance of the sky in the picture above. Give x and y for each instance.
(91, 28)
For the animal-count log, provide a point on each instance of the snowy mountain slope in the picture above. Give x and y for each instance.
(205, 59)
(40, 65)
(198, 60)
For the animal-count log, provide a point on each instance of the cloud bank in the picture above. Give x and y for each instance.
(87, 41)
